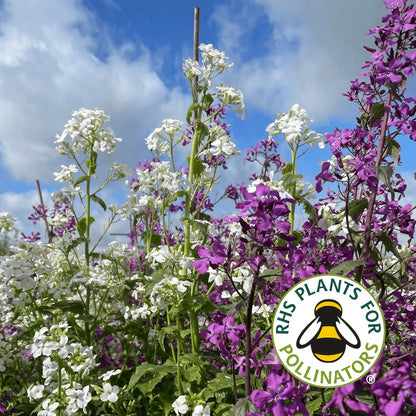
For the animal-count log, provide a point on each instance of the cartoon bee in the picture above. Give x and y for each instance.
(328, 334)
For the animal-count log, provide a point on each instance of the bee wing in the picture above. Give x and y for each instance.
(309, 333)
(346, 331)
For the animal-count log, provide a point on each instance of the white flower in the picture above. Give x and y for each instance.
(86, 129)
(7, 223)
(171, 126)
(121, 170)
(49, 369)
(201, 411)
(106, 376)
(179, 406)
(191, 68)
(66, 173)
(221, 144)
(110, 393)
(78, 398)
(295, 128)
(35, 392)
(232, 97)
(181, 285)
(217, 58)
(216, 276)
(48, 409)
(159, 255)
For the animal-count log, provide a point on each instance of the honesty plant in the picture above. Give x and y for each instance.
(177, 320)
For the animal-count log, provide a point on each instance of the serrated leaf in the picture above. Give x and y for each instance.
(153, 375)
(309, 209)
(314, 405)
(346, 267)
(290, 180)
(82, 225)
(99, 201)
(198, 167)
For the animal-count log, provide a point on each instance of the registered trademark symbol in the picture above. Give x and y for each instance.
(370, 379)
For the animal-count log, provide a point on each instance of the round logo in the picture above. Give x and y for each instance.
(328, 331)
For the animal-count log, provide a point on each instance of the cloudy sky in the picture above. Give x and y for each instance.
(125, 57)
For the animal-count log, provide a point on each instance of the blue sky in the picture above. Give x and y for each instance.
(126, 57)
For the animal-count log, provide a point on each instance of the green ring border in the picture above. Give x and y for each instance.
(381, 313)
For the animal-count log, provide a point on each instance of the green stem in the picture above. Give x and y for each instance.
(87, 251)
(171, 343)
(178, 361)
(293, 206)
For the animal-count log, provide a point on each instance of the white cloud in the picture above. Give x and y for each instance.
(49, 67)
(312, 52)
(19, 205)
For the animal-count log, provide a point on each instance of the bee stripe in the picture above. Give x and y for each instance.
(328, 358)
(328, 332)
(328, 303)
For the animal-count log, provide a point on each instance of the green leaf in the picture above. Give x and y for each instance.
(244, 406)
(393, 149)
(148, 375)
(73, 306)
(376, 113)
(75, 243)
(99, 201)
(207, 100)
(357, 207)
(92, 163)
(202, 131)
(198, 167)
(193, 374)
(388, 244)
(82, 226)
(222, 381)
(309, 209)
(80, 180)
(314, 405)
(194, 107)
(364, 120)
(384, 174)
(156, 240)
(346, 267)
(288, 168)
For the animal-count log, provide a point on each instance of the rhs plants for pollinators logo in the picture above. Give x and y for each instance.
(328, 331)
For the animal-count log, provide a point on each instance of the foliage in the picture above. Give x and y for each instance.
(178, 321)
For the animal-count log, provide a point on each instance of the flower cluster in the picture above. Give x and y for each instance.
(178, 321)
(86, 129)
